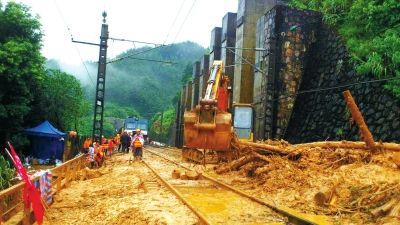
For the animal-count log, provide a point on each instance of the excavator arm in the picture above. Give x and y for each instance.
(209, 125)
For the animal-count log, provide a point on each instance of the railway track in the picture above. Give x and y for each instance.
(215, 202)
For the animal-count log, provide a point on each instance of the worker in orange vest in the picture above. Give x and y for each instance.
(99, 155)
(86, 145)
(137, 145)
(117, 142)
(110, 147)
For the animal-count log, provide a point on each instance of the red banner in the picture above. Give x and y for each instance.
(31, 194)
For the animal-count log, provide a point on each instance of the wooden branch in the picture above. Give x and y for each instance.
(270, 148)
(357, 116)
(395, 212)
(263, 169)
(382, 210)
(345, 144)
(234, 165)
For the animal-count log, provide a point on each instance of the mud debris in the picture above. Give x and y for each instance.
(112, 195)
(353, 186)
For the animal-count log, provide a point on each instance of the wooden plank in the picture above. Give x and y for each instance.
(63, 172)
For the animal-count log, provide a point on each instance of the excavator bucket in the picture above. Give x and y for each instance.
(209, 126)
(214, 134)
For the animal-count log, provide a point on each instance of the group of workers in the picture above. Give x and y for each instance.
(97, 152)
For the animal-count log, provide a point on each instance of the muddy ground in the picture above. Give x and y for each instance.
(350, 186)
(116, 194)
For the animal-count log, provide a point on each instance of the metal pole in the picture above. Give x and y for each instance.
(162, 115)
(100, 86)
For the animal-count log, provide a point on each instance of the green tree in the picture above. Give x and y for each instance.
(6, 173)
(149, 86)
(21, 66)
(371, 31)
(161, 130)
(187, 73)
(65, 100)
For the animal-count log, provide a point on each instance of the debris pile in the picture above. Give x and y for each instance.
(341, 179)
(87, 174)
(187, 175)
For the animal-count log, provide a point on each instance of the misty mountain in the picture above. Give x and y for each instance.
(139, 80)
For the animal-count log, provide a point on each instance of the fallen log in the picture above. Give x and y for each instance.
(235, 164)
(384, 209)
(176, 174)
(192, 175)
(395, 212)
(396, 159)
(326, 197)
(271, 148)
(264, 158)
(357, 116)
(263, 169)
(345, 144)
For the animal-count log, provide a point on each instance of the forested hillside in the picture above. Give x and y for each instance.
(149, 86)
(143, 81)
(29, 93)
(371, 31)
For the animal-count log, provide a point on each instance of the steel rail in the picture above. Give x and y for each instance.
(202, 218)
(293, 215)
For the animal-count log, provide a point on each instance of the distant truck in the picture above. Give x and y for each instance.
(132, 123)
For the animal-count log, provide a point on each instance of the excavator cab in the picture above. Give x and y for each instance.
(209, 125)
(243, 121)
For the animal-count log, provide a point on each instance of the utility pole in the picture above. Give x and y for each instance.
(162, 115)
(101, 78)
(100, 85)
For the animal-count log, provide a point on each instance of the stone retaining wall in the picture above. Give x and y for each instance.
(321, 114)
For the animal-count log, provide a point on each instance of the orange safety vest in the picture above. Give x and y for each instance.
(86, 144)
(137, 143)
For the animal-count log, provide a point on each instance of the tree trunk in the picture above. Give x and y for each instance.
(236, 164)
(345, 144)
(357, 116)
(273, 149)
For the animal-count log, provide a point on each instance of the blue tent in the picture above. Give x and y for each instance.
(46, 141)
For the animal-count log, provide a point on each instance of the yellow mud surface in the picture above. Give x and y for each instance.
(117, 196)
(355, 182)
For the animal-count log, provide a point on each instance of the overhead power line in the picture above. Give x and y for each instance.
(173, 23)
(134, 54)
(316, 89)
(246, 61)
(338, 87)
(184, 21)
(157, 46)
(150, 60)
(76, 48)
(132, 41)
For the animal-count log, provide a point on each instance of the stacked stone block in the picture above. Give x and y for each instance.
(196, 83)
(320, 111)
(289, 35)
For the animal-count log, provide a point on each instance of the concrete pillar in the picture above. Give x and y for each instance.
(228, 40)
(204, 75)
(196, 77)
(189, 88)
(215, 45)
(248, 13)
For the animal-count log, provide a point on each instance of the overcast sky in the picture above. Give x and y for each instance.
(141, 20)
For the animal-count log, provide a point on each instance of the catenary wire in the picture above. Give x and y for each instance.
(76, 48)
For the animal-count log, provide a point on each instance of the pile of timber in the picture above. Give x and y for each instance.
(251, 152)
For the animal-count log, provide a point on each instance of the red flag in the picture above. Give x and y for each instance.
(31, 194)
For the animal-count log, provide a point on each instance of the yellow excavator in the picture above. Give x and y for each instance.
(208, 127)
